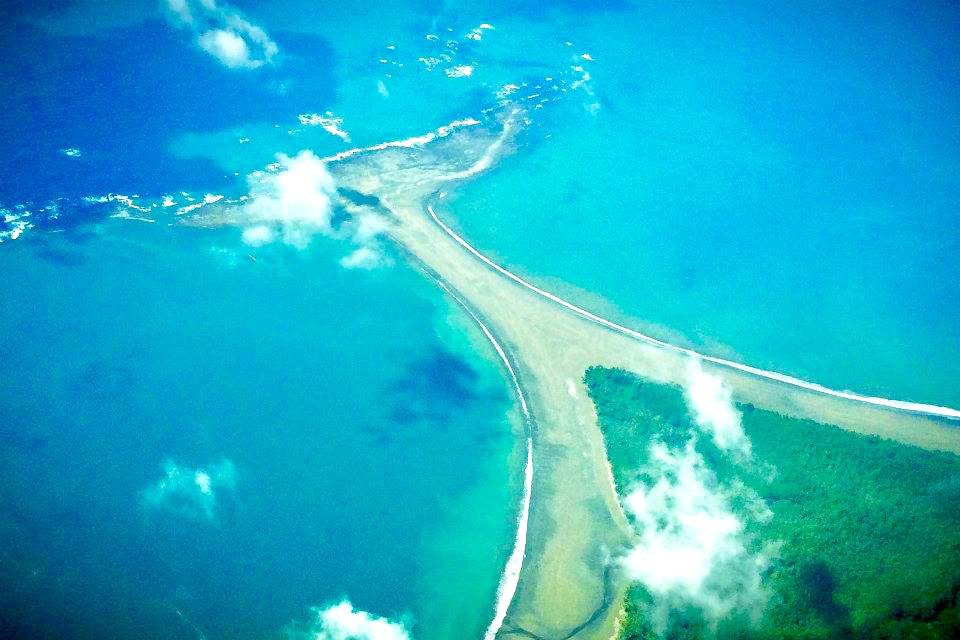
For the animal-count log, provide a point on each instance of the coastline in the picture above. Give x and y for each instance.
(903, 405)
(510, 577)
(567, 585)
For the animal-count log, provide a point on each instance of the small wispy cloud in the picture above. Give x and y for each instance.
(223, 32)
(342, 622)
(191, 493)
(693, 549)
(295, 201)
(362, 258)
(366, 232)
(713, 411)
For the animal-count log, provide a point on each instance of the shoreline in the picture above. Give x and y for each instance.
(491, 155)
(569, 585)
(901, 405)
(562, 581)
(510, 577)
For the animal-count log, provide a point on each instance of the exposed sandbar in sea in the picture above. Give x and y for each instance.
(568, 587)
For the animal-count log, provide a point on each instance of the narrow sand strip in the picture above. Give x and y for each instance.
(511, 572)
(917, 407)
(568, 587)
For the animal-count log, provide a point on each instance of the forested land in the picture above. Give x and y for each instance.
(870, 528)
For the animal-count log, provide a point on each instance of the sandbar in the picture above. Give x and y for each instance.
(568, 586)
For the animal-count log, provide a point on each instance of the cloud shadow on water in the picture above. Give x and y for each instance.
(443, 393)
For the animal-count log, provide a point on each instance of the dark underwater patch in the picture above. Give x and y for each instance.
(440, 391)
(360, 199)
(101, 380)
(61, 257)
(442, 375)
(63, 226)
(72, 217)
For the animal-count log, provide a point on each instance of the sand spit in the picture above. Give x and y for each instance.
(511, 572)
(568, 588)
(565, 587)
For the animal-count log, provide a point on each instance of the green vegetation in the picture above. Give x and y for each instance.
(870, 528)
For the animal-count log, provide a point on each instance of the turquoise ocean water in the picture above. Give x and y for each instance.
(772, 183)
(371, 453)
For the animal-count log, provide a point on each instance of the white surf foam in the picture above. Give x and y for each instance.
(915, 407)
(511, 572)
(415, 141)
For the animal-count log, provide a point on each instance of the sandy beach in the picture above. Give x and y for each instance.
(568, 587)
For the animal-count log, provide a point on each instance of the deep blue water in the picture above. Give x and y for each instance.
(120, 99)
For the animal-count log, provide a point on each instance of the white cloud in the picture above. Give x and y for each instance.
(328, 122)
(713, 411)
(291, 204)
(368, 228)
(343, 622)
(362, 258)
(182, 10)
(191, 493)
(227, 46)
(693, 550)
(223, 32)
(294, 201)
(258, 235)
